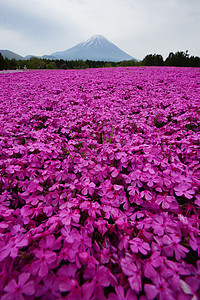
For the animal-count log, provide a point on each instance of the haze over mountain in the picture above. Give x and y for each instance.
(96, 48)
(51, 57)
(10, 55)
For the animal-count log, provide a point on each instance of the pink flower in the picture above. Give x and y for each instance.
(88, 187)
(75, 240)
(102, 226)
(136, 199)
(174, 246)
(161, 224)
(33, 186)
(194, 279)
(102, 278)
(18, 290)
(159, 288)
(43, 262)
(124, 242)
(122, 222)
(149, 168)
(92, 208)
(197, 201)
(118, 187)
(49, 290)
(105, 191)
(138, 245)
(110, 211)
(134, 177)
(115, 172)
(50, 243)
(101, 172)
(12, 169)
(166, 201)
(68, 215)
(146, 194)
(133, 190)
(151, 263)
(86, 259)
(184, 189)
(72, 286)
(28, 212)
(176, 271)
(122, 156)
(13, 246)
(134, 274)
(120, 294)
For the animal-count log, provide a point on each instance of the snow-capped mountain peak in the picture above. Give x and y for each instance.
(95, 40)
(95, 48)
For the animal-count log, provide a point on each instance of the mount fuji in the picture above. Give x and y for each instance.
(97, 48)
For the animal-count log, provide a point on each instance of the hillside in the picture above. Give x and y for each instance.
(10, 55)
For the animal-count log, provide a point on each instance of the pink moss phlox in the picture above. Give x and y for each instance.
(99, 180)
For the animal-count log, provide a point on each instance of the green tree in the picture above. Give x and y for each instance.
(2, 62)
(7, 63)
(152, 60)
(35, 63)
(179, 59)
(194, 61)
(13, 63)
(51, 65)
(128, 63)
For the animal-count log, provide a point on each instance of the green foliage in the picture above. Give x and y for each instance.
(36, 63)
(51, 65)
(153, 60)
(128, 63)
(179, 59)
(182, 59)
(2, 62)
(13, 63)
(111, 135)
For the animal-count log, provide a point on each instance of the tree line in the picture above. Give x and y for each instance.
(178, 59)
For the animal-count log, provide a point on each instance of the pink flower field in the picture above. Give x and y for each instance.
(99, 180)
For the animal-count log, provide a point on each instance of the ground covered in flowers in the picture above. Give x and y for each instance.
(99, 180)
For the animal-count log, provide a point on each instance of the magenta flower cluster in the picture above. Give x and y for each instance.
(99, 180)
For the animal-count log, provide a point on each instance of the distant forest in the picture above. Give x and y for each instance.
(178, 59)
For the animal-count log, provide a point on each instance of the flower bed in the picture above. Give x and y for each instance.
(99, 179)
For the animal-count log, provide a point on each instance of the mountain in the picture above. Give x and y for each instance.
(51, 57)
(96, 48)
(10, 55)
(29, 56)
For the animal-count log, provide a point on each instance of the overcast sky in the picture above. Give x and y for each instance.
(138, 27)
